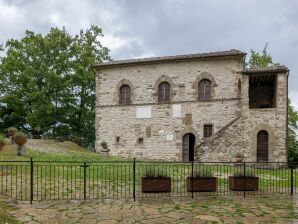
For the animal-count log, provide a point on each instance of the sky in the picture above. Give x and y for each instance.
(146, 28)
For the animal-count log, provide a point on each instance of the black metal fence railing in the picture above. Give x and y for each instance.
(48, 180)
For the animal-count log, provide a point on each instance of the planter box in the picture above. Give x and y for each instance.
(156, 185)
(201, 184)
(244, 183)
(20, 141)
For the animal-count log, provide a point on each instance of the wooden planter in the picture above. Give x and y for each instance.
(156, 184)
(201, 184)
(1, 147)
(11, 133)
(244, 183)
(20, 141)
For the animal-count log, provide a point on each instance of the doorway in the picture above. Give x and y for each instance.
(188, 147)
(262, 146)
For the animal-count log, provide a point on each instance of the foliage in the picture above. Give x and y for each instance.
(20, 134)
(260, 60)
(292, 129)
(2, 140)
(203, 172)
(12, 129)
(47, 84)
(156, 172)
(249, 172)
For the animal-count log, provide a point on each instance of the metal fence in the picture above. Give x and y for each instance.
(48, 180)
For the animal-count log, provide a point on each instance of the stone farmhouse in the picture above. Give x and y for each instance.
(202, 107)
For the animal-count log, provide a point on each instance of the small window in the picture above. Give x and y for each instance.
(164, 92)
(117, 140)
(204, 89)
(141, 141)
(208, 130)
(124, 96)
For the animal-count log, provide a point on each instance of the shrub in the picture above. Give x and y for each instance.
(2, 140)
(203, 172)
(249, 172)
(158, 172)
(20, 134)
(12, 129)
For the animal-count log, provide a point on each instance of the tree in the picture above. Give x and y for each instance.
(258, 60)
(47, 84)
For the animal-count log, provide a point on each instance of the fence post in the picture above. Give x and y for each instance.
(292, 180)
(192, 180)
(31, 180)
(244, 184)
(134, 179)
(85, 166)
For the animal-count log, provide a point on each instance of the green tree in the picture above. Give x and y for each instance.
(47, 84)
(260, 60)
(264, 59)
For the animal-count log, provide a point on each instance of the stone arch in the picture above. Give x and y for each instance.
(204, 75)
(117, 92)
(271, 142)
(164, 78)
(185, 131)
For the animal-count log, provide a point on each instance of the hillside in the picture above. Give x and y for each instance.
(52, 151)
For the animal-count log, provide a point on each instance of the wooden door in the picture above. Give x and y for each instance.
(185, 148)
(262, 146)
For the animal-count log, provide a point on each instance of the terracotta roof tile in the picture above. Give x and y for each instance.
(270, 69)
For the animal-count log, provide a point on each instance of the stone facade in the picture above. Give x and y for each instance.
(151, 130)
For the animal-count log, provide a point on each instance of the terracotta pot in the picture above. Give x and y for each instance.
(156, 184)
(244, 183)
(1, 147)
(20, 141)
(201, 184)
(238, 159)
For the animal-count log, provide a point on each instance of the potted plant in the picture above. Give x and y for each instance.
(241, 181)
(11, 131)
(20, 138)
(239, 157)
(201, 181)
(105, 147)
(2, 142)
(156, 181)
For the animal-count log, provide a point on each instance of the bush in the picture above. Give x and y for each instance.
(203, 172)
(249, 172)
(156, 172)
(12, 129)
(2, 140)
(20, 134)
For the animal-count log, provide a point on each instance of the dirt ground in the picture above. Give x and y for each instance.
(257, 209)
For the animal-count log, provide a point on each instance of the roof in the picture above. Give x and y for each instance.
(270, 69)
(232, 52)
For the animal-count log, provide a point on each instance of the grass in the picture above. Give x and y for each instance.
(5, 217)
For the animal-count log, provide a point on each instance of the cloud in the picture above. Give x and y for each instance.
(141, 28)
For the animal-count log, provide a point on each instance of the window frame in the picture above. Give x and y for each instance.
(126, 99)
(164, 92)
(207, 132)
(203, 97)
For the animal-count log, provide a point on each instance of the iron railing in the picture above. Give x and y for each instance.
(55, 180)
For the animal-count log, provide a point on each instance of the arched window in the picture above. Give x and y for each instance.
(239, 88)
(262, 146)
(204, 90)
(164, 92)
(124, 96)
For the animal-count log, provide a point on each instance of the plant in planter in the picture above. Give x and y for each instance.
(239, 157)
(241, 181)
(156, 181)
(20, 139)
(2, 142)
(105, 147)
(11, 131)
(201, 181)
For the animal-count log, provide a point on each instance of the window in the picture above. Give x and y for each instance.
(124, 97)
(204, 89)
(208, 130)
(140, 141)
(117, 140)
(164, 92)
